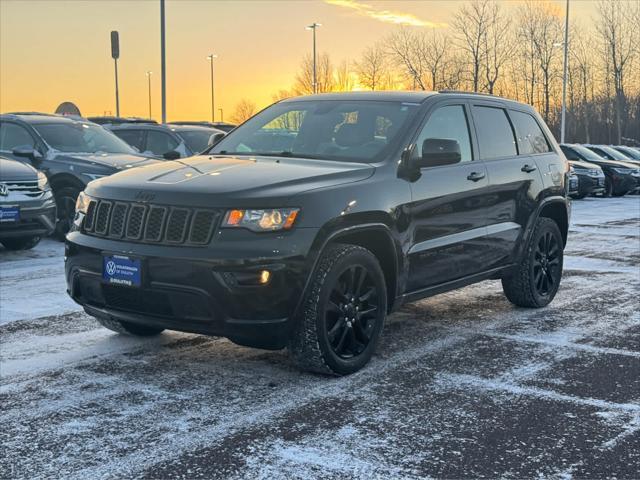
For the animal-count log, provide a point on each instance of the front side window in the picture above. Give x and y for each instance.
(343, 130)
(78, 137)
(530, 137)
(132, 137)
(160, 143)
(495, 135)
(12, 136)
(449, 123)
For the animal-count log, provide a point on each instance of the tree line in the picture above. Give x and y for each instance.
(514, 52)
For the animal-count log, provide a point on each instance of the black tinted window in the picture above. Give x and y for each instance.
(12, 136)
(530, 136)
(132, 137)
(160, 143)
(495, 135)
(448, 122)
(569, 153)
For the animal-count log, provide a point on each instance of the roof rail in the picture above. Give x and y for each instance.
(480, 94)
(34, 113)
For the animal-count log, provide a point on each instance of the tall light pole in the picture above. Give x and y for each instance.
(149, 72)
(221, 115)
(115, 54)
(163, 64)
(210, 57)
(564, 73)
(313, 27)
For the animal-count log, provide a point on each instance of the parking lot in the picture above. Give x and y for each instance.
(462, 385)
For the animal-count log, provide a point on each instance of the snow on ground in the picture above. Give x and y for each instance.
(462, 385)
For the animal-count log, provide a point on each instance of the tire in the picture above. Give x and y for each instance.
(20, 243)
(580, 196)
(336, 333)
(536, 280)
(128, 328)
(66, 202)
(619, 194)
(608, 188)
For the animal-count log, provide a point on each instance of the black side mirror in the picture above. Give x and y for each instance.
(171, 155)
(439, 151)
(215, 138)
(26, 151)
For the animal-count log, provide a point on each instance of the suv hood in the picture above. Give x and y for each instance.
(14, 170)
(119, 161)
(612, 163)
(227, 181)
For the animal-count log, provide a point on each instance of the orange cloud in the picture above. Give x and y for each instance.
(387, 16)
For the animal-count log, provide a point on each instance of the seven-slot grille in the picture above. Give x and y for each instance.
(150, 223)
(26, 187)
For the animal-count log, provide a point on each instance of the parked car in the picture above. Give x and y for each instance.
(377, 200)
(110, 120)
(574, 183)
(166, 141)
(620, 177)
(27, 206)
(611, 153)
(224, 126)
(69, 151)
(589, 177)
(630, 152)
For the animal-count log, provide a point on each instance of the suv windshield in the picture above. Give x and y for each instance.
(78, 137)
(196, 140)
(613, 153)
(345, 130)
(587, 153)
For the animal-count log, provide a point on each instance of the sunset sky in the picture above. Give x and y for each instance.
(54, 50)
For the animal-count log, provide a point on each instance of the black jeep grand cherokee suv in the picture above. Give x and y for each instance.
(309, 223)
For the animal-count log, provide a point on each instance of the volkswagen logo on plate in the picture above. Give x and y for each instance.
(111, 267)
(4, 190)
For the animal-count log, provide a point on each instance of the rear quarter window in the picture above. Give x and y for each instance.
(530, 137)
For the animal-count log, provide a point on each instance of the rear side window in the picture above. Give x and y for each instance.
(12, 136)
(132, 137)
(530, 136)
(495, 135)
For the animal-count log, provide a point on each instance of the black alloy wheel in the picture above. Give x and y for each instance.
(546, 263)
(351, 312)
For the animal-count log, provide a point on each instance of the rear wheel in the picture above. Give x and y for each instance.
(343, 312)
(129, 328)
(536, 280)
(66, 202)
(20, 243)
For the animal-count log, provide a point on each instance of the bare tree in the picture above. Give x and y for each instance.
(470, 24)
(343, 78)
(435, 49)
(304, 79)
(245, 109)
(373, 67)
(618, 31)
(405, 48)
(498, 45)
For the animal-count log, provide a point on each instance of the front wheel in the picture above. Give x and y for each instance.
(66, 202)
(20, 243)
(536, 280)
(343, 312)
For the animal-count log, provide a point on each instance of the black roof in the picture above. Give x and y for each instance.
(36, 117)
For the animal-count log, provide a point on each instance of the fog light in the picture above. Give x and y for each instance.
(265, 275)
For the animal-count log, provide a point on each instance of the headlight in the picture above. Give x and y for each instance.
(43, 183)
(267, 220)
(624, 171)
(82, 203)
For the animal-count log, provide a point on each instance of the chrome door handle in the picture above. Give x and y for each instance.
(528, 168)
(475, 176)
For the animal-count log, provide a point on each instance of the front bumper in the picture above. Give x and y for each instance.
(199, 289)
(589, 185)
(37, 217)
(624, 183)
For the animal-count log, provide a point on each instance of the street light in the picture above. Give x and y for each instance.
(221, 115)
(163, 63)
(564, 73)
(149, 72)
(313, 27)
(210, 57)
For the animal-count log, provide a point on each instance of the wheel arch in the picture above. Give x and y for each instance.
(556, 209)
(64, 180)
